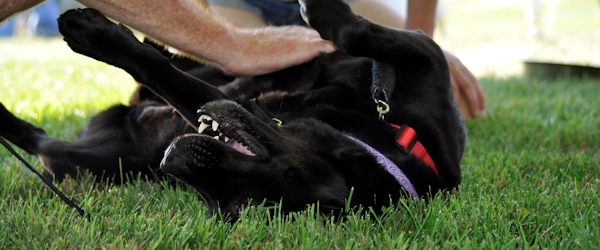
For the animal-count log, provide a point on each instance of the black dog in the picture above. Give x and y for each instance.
(311, 152)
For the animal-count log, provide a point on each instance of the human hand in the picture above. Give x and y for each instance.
(466, 89)
(264, 50)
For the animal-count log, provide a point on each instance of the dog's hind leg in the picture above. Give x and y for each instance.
(35, 142)
(19, 132)
(105, 150)
(89, 33)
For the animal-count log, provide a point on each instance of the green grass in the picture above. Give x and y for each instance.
(531, 178)
(530, 175)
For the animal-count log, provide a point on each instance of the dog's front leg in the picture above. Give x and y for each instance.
(89, 33)
(358, 37)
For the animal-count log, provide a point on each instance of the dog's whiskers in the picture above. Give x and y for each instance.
(279, 111)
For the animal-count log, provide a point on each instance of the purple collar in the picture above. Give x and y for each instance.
(390, 167)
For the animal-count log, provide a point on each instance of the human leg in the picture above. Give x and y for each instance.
(377, 11)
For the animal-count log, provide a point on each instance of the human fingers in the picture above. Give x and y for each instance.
(455, 88)
(308, 36)
(473, 83)
(461, 102)
(468, 86)
(474, 87)
(265, 50)
(466, 89)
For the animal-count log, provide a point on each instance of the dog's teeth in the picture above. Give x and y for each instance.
(205, 118)
(202, 127)
(226, 139)
(216, 137)
(220, 134)
(215, 125)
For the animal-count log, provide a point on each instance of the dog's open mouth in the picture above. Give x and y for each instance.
(225, 132)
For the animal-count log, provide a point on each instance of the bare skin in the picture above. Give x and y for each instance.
(10, 7)
(238, 17)
(201, 34)
(191, 28)
(423, 16)
(466, 89)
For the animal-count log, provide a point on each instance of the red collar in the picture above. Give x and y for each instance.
(406, 139)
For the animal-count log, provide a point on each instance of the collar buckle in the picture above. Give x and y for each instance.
(406, 138)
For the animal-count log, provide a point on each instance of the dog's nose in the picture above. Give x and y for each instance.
(172, 160)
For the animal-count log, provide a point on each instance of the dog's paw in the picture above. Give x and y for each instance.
(328, 17)
(88, 32)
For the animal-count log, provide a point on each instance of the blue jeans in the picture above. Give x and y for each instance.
(272, 12)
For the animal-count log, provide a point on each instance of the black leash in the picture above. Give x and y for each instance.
(382, 87)
(48, 184)
(384, 81)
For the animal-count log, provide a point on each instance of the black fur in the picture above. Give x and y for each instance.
(306, 160)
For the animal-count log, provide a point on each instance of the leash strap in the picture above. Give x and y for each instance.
(384, 81)
(382, 86)
(48, 184)
(390, 167)
(259, 112)
(406, 140)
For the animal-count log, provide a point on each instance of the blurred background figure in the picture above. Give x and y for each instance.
(7, 28)
(38, 21)
(490, 37)
(532, 14)
(533, 9)
(42, 20)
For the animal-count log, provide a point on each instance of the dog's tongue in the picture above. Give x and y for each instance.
(240, 147)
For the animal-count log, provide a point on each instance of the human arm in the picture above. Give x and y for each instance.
(193, 29)
(466, 88)
(11, 7)
(421, 15)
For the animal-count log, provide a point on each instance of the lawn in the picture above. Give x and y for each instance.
(531, 172)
